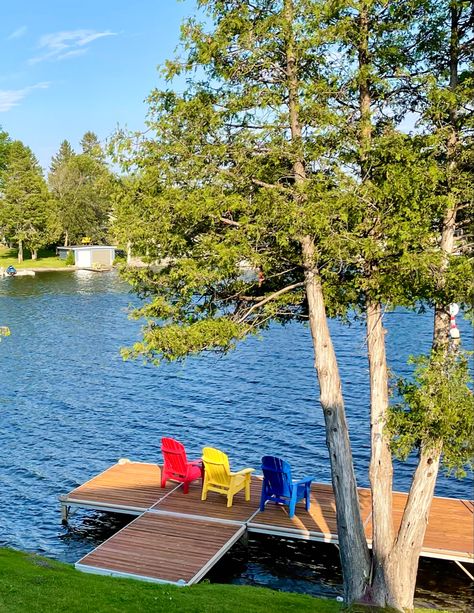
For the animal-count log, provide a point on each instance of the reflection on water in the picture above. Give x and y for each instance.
(70, 406)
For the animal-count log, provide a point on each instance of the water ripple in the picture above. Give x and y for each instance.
(70, 406)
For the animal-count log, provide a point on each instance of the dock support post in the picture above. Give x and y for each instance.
(464, 569)
(65, 510)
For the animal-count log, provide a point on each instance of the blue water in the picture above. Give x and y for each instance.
(70, 406)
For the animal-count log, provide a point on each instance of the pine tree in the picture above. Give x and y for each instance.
(64, 154)
(82, 186)
(27, 215)
(91, 146)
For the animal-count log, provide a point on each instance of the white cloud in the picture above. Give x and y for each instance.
(72, 53)
(12, 97)
(62, 45)
(18, 33)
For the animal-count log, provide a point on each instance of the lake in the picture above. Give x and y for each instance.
(70, 407)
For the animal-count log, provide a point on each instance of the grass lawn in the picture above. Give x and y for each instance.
(32, 583)
(29, 582)
(46, 259)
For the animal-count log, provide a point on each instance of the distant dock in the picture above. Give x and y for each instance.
(177, 538)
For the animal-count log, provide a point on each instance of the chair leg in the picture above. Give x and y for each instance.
(247, 490)
(263, 499)
(308, 498)
(204, 491)
(292, 505)
(230, 499)
(185, 487)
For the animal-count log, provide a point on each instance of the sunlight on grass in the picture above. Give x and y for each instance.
(46, 259)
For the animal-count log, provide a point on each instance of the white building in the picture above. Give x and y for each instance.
(89, 256)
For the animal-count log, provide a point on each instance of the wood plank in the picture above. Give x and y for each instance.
(134, 485)
(215, 506)
(161, 548)
(319, 520)
(450, 529)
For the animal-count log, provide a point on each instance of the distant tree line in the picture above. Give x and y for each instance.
(71, 203)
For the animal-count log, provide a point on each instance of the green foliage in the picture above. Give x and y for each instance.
(437, 410)
(4, 146)
(82, 186)
(175, 342)
(211, 189)
(27, 213)
(70, 260)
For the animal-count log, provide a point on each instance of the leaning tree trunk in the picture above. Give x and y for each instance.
(402, 563)
(353, 550)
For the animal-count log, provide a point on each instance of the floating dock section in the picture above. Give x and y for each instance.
(177, 538)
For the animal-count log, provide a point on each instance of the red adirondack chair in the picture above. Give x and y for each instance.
(176, 465)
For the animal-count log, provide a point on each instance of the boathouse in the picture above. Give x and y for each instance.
(89, 256)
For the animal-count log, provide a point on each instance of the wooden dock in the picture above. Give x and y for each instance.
(177, 538)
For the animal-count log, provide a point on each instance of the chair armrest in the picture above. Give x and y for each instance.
(304, 481)
(244, 471)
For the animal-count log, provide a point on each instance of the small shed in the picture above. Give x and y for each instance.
(89, 256)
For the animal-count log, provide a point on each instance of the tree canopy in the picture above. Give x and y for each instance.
(279, 185)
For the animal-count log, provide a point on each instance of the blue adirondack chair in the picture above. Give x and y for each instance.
(279, 487)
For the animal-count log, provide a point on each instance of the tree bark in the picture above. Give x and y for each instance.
(353, 550)
(66, 239)
(381, 468)
(402, 565)
(354, 554)
(441, 315)
(34, 254)
(20, 251)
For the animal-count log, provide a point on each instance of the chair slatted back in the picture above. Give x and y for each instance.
(174, 455)
(216, 464)
(277, 477)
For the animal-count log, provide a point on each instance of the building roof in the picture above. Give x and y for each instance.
(78, 247)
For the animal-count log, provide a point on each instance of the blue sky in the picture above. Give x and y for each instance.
(69, 66)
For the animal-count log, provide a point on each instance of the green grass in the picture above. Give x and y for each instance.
(30, 583)
(46, 259)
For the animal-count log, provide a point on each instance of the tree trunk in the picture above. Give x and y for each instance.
(403, 564)
(129, 253)
(365, 101)
(20, 251)
(66, 239)
(34, 254)
(441, 316)
(381, 468)
(353, 550)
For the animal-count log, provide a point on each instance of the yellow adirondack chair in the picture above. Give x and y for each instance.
(219, 478)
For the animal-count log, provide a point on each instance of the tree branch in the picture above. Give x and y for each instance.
(284, 290)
